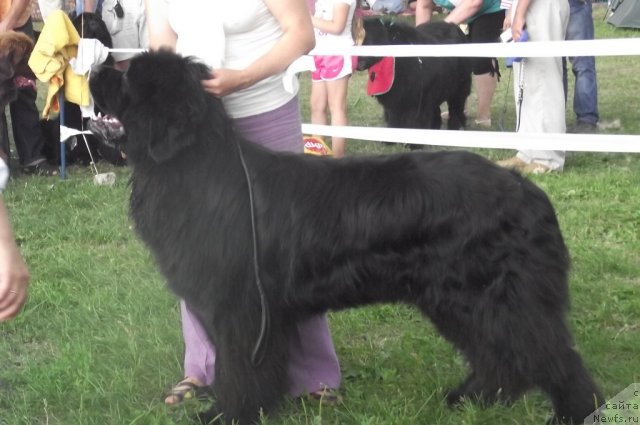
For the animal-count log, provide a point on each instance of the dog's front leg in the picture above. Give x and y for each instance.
(246, 386)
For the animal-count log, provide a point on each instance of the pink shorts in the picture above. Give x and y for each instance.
(330, 68)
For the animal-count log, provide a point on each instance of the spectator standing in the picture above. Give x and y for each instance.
(333, 21)
(585, 94)
(25, 120)
(127, 24)
(542, 108)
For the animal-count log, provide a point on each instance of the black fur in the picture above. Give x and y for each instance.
(475, 247)
(421, 84)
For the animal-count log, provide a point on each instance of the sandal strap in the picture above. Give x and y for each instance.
(185, 390)
(327, 396)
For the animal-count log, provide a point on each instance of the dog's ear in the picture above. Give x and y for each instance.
(6, 68)
(168, 101)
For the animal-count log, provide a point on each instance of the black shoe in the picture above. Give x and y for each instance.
(42, 168)
(583, 127)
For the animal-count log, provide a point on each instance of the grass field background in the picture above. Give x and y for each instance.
(99, 340)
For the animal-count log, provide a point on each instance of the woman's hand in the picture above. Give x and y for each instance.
(225, 81)
(14, 280)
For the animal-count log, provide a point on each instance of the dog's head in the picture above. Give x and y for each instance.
(379, 32)
(15, 49)
(160, 102)
(375, 34)
(91, 25)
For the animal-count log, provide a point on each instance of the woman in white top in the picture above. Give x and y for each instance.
(248, 47)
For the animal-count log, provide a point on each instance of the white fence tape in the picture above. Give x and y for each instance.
(487, 139)
(603, 47)
(492, 139)
(483, 139)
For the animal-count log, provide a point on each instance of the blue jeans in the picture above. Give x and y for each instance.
(585, 97)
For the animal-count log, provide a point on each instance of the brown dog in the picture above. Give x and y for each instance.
(15, 49)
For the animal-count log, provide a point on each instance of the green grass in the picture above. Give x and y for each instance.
(99, 339)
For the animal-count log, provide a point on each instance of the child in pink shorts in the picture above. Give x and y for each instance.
(332, 21)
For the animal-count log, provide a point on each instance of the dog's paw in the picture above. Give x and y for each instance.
(454, 398)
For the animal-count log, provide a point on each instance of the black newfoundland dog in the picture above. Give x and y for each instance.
(411, 89)
(255, 241)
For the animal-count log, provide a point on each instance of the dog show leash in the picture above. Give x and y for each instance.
(257, 355)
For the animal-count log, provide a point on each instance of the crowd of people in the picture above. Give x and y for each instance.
(249, 49)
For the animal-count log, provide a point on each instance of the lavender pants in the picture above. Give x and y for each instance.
(313, 363)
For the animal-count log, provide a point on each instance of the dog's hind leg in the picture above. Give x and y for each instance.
(569, 385)
(489, 383)
(243, 389)
(529, 348)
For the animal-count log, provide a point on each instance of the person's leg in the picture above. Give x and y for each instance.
(199, 359)
(199, 353)
(543, 107)
(585, 98)
(313, 363)
(313, 360)
(485, 85)
(337, 98)
(485, 29)
(5, 151)
(25, 123)
(318, 102)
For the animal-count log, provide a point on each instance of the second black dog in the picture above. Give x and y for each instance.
(418, 85)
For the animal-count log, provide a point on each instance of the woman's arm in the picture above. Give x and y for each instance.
(519, 19)
(463, 11)
(297, 39)
(15, 12)
(14, 275)
(337, 23)
(424, 11)
(161, 35)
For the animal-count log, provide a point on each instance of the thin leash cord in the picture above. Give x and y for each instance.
(520, 93)
(504, 103)
(519, 100)
(257, 356)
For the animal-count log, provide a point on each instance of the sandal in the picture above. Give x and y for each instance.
(326, 396)
(185, 390)
(42, 168)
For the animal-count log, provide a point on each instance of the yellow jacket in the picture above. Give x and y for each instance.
(57, 44)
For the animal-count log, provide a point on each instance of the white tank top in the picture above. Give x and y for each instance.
(232, 35)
